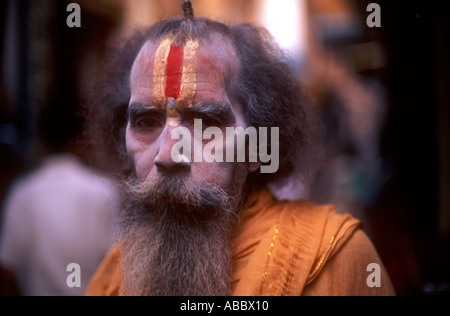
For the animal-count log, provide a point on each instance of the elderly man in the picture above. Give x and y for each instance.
(193, 222)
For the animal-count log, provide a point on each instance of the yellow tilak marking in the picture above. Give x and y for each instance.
(159, 71)
(189, 74)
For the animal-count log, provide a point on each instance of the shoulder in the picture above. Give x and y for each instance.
(355, 269)
(336, 252)
(321, 226)
(108, 277)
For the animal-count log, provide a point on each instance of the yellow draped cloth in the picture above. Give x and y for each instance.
(286, 248)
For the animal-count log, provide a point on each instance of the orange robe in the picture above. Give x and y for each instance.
(286, 248)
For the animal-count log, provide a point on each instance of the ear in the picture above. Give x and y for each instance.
(253, 166)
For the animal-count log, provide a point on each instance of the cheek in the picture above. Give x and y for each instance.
(220, 173)
(141, 155)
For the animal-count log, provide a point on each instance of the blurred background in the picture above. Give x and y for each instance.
(382, 95)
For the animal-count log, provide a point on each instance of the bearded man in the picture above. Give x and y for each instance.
(201, 227)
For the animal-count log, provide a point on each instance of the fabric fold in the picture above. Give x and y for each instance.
(280, 248)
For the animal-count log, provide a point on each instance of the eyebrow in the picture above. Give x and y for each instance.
(217, 110)
(139, 108)
(214, 109)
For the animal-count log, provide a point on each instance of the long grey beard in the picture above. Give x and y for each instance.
(176, 238)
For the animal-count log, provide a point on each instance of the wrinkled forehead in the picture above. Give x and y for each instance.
(188, 72)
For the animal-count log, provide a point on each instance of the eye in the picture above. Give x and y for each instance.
(147, 122)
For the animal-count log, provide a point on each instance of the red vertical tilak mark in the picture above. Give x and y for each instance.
(174, 70)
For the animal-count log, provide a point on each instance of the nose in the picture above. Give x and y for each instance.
(164, 162)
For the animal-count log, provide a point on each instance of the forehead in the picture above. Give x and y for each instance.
(190, 73)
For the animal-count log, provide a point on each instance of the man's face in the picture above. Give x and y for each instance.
(171, 85)
(180, 209)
